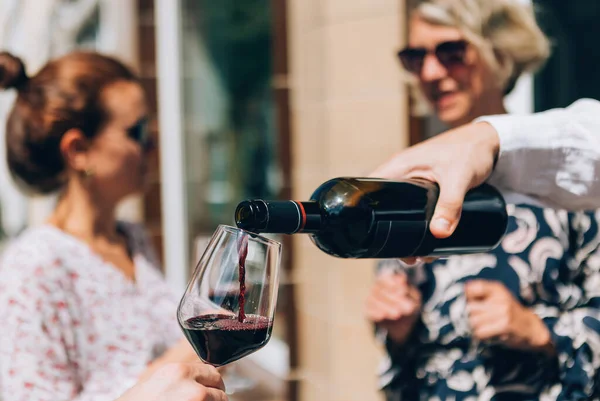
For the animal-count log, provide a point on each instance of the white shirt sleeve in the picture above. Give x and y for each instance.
(553, 156)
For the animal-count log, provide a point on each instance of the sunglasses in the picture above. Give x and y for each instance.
(449, 54)
(140, 133)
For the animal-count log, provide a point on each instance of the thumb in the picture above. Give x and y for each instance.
(213, 394)
(448, 208)
(477, 290)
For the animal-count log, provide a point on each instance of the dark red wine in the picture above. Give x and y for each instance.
(242, 253)
(376, 218)
(221, 339)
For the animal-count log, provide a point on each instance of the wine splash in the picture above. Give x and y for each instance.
(242, 254)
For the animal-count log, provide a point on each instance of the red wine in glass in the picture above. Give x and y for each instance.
(228, 308)
(220, 339)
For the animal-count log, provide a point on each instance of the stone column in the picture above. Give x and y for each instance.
(349, 113)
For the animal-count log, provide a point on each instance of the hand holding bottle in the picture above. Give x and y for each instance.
(394, 305)
(457, 160)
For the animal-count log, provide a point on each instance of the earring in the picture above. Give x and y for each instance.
(88, 173)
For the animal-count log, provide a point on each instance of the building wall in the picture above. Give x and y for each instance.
(147, 69)
(348, 113)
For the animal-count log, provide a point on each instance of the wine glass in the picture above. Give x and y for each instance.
(228, 308)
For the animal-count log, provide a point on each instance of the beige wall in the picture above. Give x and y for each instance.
(348, 114)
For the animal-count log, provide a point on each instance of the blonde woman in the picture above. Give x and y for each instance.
(518, 323)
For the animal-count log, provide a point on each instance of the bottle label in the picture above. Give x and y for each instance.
(397, 239)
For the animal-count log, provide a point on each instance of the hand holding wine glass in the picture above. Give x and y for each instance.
(179, 381)
(181, 352)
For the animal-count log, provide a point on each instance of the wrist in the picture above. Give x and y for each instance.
(490, 138)
(540, 338)
(399, 336)
(400, 332)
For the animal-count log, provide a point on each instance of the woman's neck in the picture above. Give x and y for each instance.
(81, 214)
(491, 106)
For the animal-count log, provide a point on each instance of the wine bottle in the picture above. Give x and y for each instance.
(377, 218)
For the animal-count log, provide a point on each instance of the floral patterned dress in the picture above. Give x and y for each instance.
(74, 327)
(549, 260)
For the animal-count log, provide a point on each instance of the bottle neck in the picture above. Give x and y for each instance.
(310, 217)
(278, 217)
